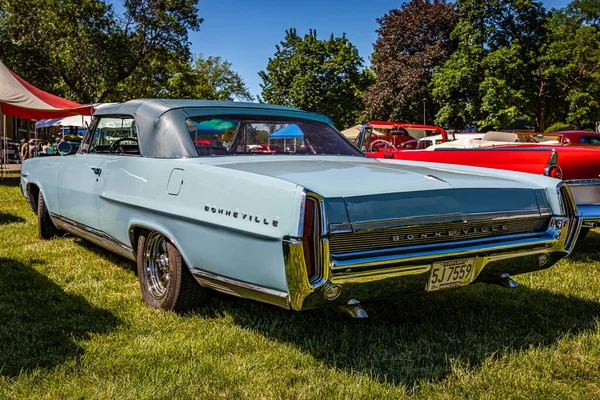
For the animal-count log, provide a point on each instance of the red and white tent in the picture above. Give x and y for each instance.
(23, 100)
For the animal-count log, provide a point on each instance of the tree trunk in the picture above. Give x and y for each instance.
(540, 120)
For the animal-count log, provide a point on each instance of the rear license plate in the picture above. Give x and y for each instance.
(450, 274)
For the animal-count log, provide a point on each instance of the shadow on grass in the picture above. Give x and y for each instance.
(118, 259)
(11, 180)
(10, 219)
(588, 248)
(40, 322)
(417, 339)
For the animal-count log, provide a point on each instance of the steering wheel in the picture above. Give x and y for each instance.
(386, 144)
(117, 143)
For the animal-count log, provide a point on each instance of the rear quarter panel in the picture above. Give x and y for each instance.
(579, 163)
(133, 192)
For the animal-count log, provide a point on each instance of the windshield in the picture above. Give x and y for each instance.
(539, 138)
(229, 135)
(421, 133)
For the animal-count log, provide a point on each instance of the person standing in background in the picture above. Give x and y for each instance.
(32, 149)
(24, 150)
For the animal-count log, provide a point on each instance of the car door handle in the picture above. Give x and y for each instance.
(388, 156)
(97, 171)
(25, 174)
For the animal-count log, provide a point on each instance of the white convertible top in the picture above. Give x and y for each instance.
(161, 127)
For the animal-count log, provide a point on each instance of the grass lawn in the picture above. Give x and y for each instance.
(72, 325)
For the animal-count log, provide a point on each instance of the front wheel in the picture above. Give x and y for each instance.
(165, 280)
(46, 228)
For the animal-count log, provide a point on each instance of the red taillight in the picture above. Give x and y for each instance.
(555, 172)
(309, 230)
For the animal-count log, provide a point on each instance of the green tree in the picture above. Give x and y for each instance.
(324, 76)
(412, 42)
(496, 73)
(208, 78)
(83, 50)
(572, 59)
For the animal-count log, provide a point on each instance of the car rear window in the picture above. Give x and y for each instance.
(231, 135)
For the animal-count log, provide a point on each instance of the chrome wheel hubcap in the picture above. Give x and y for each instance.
(156, 265)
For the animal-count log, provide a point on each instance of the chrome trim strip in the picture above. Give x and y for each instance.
(318, 235)
(321, 203)
(572, 215)
(375, 259)
(241, 289)
(378, 274)
(552, 163)
(299, 286)
(449, 218)
(302, 212)
(421, 248)
(93, 235)
(344, 227)
(578, 182)
(76, 224)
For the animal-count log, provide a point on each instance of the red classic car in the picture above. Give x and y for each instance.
(393, 136)
(580, 166)
(566, 138)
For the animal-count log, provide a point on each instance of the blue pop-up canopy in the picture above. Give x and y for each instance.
(291, 131)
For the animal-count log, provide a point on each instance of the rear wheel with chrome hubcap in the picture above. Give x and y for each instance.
(165, 280)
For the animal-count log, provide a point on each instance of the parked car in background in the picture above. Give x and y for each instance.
(580, 138)
(430, 141)
(178, 186)
(566, 138)
(12, 155)
(386, 136)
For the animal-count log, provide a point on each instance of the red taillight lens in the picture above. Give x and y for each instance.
(555, 172)
(309, 231)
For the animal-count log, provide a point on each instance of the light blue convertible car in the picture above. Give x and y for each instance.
(274, 204)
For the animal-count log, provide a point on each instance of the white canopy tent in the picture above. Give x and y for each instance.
(78, 121)
(353, 132)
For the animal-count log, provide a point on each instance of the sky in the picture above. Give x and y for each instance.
(245, 32)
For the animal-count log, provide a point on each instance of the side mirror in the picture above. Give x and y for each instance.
(64, 148)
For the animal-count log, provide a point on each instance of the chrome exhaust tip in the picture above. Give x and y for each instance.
(507, 281)
(353, 308)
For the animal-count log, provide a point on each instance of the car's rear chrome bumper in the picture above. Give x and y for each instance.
(375, 275)
(586, 194)
(590, 214)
